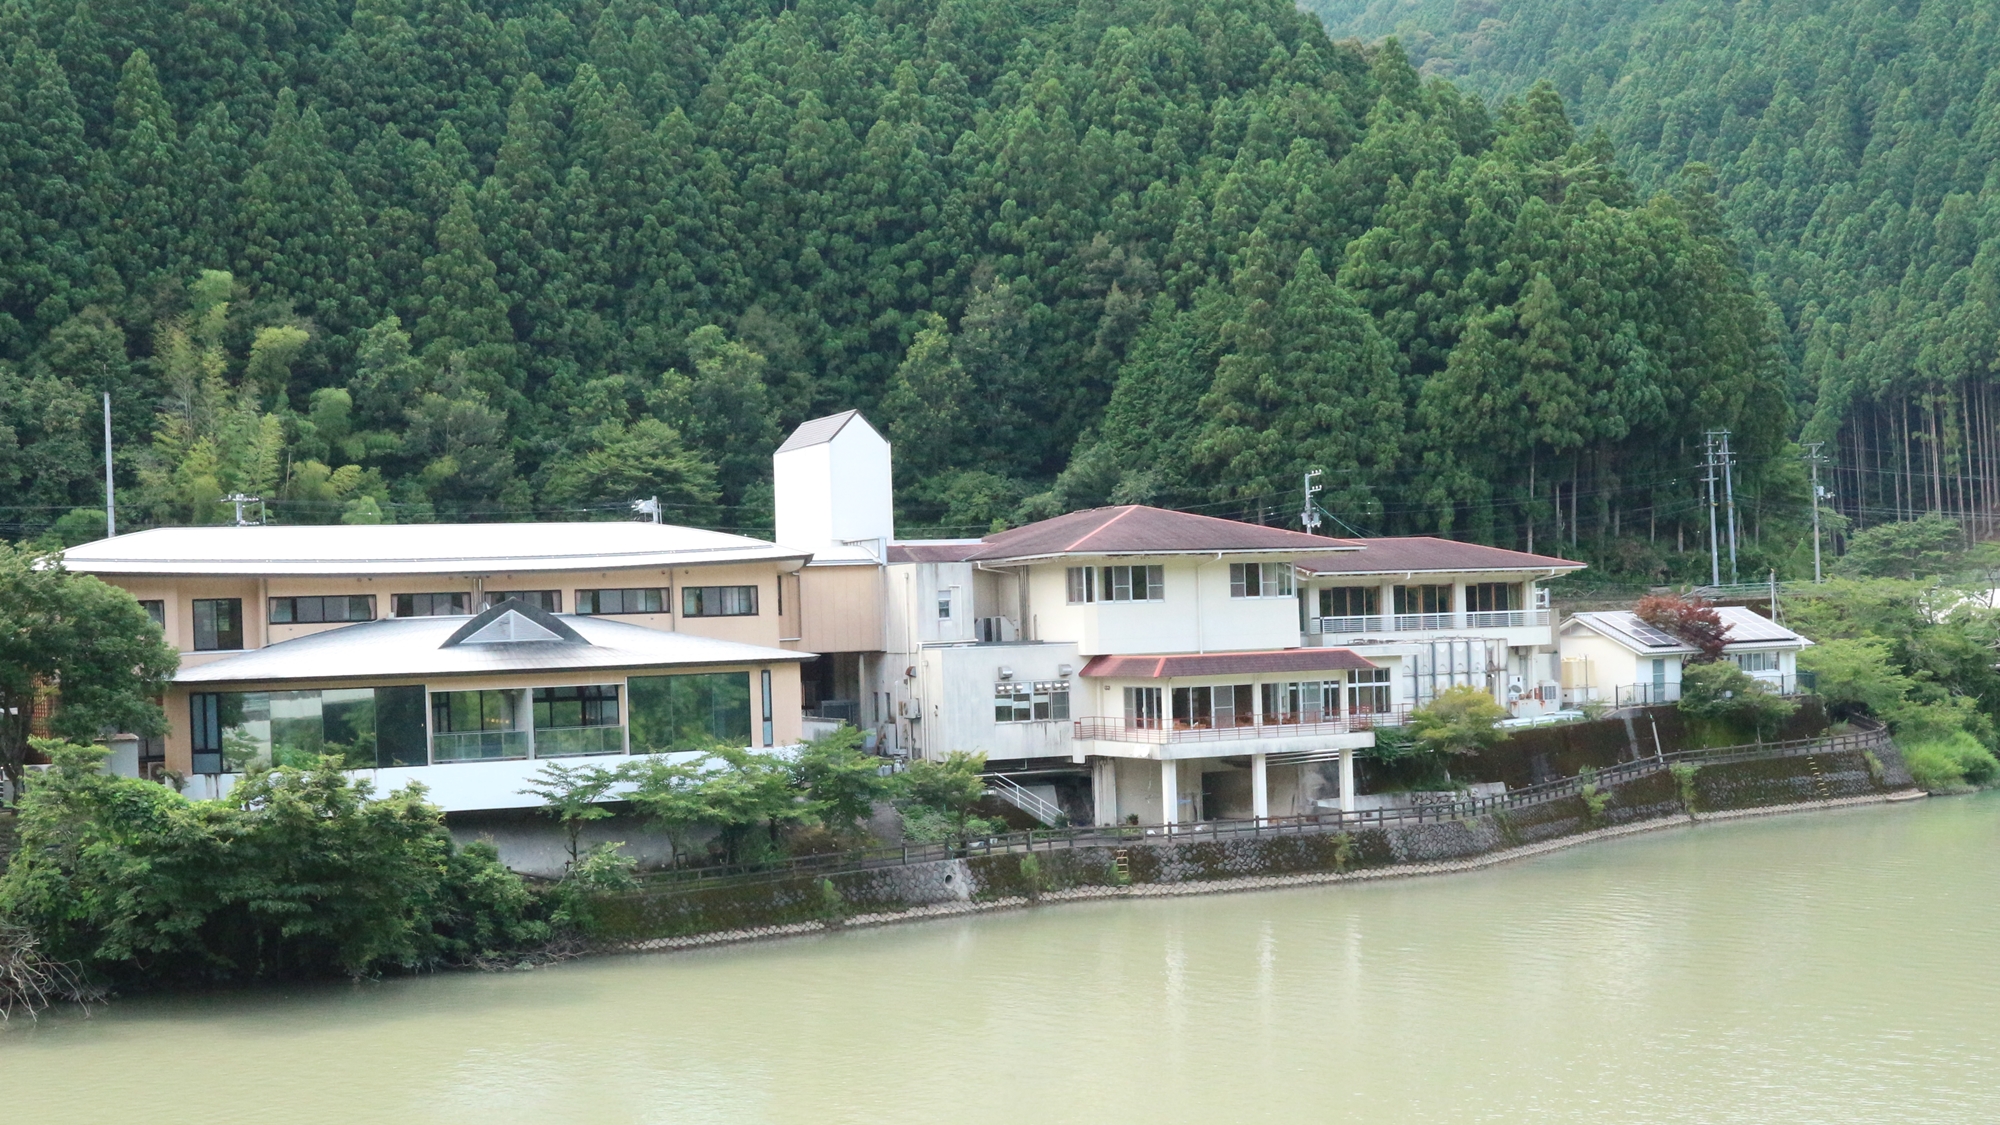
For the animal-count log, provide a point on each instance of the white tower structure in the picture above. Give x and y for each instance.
(834, 489)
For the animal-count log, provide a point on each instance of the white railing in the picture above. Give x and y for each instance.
(1027, 800)
(1172, 733)
(1425, 622)
(575, 742)
(478, 745)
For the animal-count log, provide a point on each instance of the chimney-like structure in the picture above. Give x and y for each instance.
(833, 487)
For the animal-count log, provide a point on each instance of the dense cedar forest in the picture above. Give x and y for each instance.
(1856, 151)
(410, 260)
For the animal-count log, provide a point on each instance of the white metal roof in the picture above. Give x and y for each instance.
(416, 646)
(1748, 629)
(437, 548)
(819, 431)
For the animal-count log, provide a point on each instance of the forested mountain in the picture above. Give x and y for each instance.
(424, 259)
(1856, 150)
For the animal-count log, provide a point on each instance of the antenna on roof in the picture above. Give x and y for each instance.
(238, 499)
(1309, 518)
(648, 507)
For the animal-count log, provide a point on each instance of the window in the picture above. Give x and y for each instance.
(1492, 597)
(689, 712)
(476, 726)
(1350, 601)
(646, 600)
(1260, 580)
(1023, 702)
(313, 610)
(205, 727)
(768, 728)
(366, 728)
(1368, 691)
(1134, 584)
(156, 610)
(1303, 702)
(1752, 662)
(944, 605)
(1142, 708)
(719, 601)
(1205, 708)
(1423, 599)
(218, 624)
(432, 605)
(548, 601)
(577, 720)
(1082, 584)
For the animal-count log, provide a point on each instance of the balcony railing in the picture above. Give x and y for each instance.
(1425, 622)
(1651, 694)
(1175, 734)
(575, 742)
(478, 745)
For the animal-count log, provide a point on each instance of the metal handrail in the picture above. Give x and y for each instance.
(1063, 839)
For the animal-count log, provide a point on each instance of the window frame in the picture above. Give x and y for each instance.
(1080, 585)
(548, 601)
(1140, 582)
(215, 634)
(460, 598)
(694, 599)
(292, 601)
(1274, 580)
(156, 608)
(1370, 601)
(594, 599)
(1031, 701)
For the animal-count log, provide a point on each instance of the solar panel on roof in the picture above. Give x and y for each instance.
(1651, 635)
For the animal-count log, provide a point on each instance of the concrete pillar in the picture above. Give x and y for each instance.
(1388, 606)
(1347, 781)
(1104, 786)
(1260, 789)
(1170, 791)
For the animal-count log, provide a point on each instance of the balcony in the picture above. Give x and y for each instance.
(1305, 725)
(1376, 623)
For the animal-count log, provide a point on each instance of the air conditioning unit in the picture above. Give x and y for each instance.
(1541, 597)
(994, 629)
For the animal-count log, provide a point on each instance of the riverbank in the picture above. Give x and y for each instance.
(1255, 882)
(681, 918)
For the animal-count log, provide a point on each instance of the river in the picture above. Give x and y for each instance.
(1815, 968)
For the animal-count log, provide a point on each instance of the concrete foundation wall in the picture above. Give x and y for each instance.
(670, 912)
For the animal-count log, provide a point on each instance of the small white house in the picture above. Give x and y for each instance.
(1613, 657)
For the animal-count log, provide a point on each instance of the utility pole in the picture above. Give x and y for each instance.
(110, 496)
(1812, 458)
(1708, 475)
(1309, 517)
(238, 499)
(648, 507)
(1729, 497)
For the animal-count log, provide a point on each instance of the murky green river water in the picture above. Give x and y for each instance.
(1824, 968)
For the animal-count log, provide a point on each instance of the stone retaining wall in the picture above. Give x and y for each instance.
(683, 915)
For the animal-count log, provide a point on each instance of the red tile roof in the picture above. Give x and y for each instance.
(1420, 553)
(1134, 529)
(1225, 663)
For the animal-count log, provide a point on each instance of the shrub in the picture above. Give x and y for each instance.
(298, 872)
(1595, 800)
(949, 788)
(1461, 720)
(1722, 691)
(1684, 775)
(1953, 763)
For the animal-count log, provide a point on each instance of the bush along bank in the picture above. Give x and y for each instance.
(297, 873)
(672, 915)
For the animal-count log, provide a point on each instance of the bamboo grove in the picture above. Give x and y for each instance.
(531, 259)
(1856, 148)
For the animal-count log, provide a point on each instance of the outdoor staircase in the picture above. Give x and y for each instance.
(1819, 778)
(1028, 801)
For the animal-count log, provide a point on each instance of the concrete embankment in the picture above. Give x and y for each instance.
(682, 917)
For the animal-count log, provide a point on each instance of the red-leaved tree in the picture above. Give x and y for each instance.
(1690, 619)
